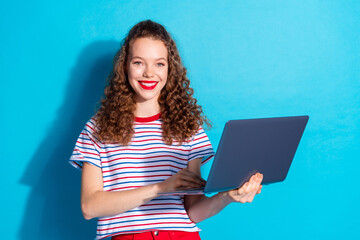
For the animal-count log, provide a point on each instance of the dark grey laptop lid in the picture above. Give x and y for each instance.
(265, 145)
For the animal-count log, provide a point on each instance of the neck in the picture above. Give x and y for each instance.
(147, 108)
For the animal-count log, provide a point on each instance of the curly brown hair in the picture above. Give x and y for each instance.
(181, 116)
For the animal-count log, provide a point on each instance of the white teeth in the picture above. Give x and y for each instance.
(148, 84)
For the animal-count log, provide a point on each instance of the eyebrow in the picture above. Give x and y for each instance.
(155, 59)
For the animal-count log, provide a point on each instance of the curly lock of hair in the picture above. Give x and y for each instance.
(180, 114)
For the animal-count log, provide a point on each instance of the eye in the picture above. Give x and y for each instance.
(137, 63)
(160, 64)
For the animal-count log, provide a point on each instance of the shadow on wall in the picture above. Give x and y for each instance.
(53, 208)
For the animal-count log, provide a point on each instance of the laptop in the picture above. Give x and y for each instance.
(248, 146)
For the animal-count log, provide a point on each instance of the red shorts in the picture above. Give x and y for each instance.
(159, 235)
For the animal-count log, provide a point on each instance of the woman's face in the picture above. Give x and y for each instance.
(147, 68)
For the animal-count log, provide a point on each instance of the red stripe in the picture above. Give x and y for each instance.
(167, 148)
(144, 140)
(151, 139)
(77, 150)
(111, 180)
(89, 127)
(161, 204)
(138, 215)
(89, 136)
(132, 187)
(148, 119)
(207, 159)
(77, 164)
(201, 146)
(114, 189)
(149, 132)
(141, 167)
(144, 149)
(148, 124)
(133, 232)
(197, 139)
(84, 143)
(145, 224)
(159, 156)
(87, 153)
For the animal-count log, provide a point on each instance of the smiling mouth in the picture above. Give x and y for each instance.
(148, 85)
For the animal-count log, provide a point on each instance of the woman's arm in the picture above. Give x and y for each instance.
(200, 207)
(95, 202)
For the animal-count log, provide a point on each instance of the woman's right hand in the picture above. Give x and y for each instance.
(182, 180)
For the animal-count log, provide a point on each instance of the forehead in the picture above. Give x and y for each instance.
(148, 48)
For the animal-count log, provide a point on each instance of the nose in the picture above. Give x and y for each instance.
(148, 72)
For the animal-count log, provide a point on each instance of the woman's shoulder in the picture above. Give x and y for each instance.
(90, 125)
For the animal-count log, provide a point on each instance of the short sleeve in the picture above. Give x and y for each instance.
(87, 147)
(200, 147)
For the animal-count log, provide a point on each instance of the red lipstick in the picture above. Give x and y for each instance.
(148, 85)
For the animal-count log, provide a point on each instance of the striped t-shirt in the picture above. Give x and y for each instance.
(146, 160)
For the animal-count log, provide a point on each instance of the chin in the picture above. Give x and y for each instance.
(147, 97)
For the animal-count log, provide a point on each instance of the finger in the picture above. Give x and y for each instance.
(251, 196)
(246, 195)
(258, 180)
(188, 180)
(193, 179)
(187, 172)
(242, 189)
(182, 180)
(186, 184)
(260, 177)
(255, 187)
(197, 177)
(253, 183)
(248, 186)
(192, 174)
(244, 186)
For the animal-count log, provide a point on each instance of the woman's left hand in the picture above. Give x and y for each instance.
(248, 191)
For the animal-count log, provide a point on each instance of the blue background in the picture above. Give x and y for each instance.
(246, 59)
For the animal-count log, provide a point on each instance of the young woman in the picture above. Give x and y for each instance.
(146, 139)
